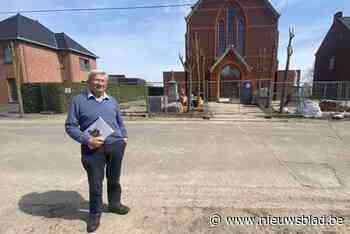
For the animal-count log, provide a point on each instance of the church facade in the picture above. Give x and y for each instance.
(229, 41)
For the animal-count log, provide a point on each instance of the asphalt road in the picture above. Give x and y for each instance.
(176, 175)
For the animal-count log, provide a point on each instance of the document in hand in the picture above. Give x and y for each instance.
(99, 129)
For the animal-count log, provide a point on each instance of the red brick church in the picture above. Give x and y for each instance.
(233, 40)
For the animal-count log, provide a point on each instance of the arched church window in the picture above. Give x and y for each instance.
(221, 39)
(229, 71)
(241, 39)
(230, 26)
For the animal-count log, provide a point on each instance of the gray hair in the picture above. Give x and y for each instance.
(94, 73)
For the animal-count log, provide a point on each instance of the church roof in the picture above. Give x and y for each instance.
(345, 21)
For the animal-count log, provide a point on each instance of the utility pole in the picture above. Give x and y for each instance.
(17, 71)
(289, 55)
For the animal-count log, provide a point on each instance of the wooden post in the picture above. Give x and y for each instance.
(271, 97)
(17, 70)
(204, 73)
(289, 55)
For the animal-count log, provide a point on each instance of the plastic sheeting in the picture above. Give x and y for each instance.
(309, 109)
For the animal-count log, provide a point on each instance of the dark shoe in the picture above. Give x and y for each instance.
(119, 209)
(93, 223)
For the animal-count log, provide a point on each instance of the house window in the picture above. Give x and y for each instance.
(332, 63)
(84, 64)
(230, 27)
(221, 39)
(241, 31)
(7, 55)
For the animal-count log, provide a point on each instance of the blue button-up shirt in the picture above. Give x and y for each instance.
(85, 110)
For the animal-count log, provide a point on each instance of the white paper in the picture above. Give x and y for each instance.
(99, 128)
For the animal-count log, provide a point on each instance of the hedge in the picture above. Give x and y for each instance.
(53, 97)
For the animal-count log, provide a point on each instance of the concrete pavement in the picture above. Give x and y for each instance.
(177, 174)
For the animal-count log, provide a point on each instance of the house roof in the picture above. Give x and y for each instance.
(23, 28)
(267, 2)
(19, 27)
(64, 42)
(238, 56)
(345, 21)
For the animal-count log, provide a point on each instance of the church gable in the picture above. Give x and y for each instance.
(232, 33)
(231, 55)
(209, 7)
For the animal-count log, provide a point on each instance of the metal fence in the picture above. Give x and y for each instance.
(320, 92)
(263, 94)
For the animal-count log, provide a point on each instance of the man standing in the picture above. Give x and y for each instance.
(96, 152)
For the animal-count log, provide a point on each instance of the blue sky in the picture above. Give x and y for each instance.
(143, 43)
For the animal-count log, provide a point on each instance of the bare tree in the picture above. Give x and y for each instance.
(289, 55)
(189, 68)
(191, 64)
(198, 57)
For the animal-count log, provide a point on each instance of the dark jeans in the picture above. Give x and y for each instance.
(94, 162)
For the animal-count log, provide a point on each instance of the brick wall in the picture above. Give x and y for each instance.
(261, 34)
(40, 64)
(43, 65)
(64, 65)
(76, 73)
